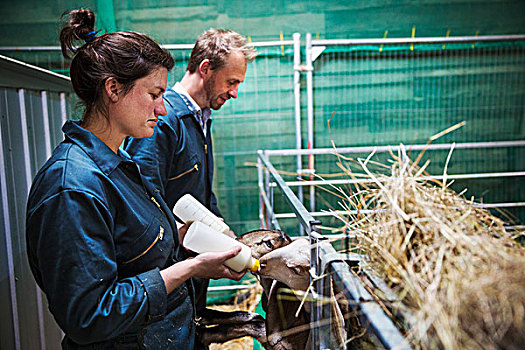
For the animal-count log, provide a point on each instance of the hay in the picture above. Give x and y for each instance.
(454, 266)
(250, 299)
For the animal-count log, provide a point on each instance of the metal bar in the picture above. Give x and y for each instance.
(260, 186)
(30, 48)
(368, 211)
(310, 113)
(236, 287)
(297, 104)
(388, 148)
(319, 311)
(500, 205)
(165, 46)
(270, 211)
(325, 213)
(423, 40)
(28, 175)
(178, 46)
(305, 219)
(272, 43)
(9, 247)
(270, 194)
(371, 314)
(63, 110)
(45, 121)
(424, 178)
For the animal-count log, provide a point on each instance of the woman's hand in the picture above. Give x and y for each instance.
(210, 265)
(205, 265)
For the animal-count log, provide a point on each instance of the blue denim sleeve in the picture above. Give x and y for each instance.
(155, 153)
(72, 254)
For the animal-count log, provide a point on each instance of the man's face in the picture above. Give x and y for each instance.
(223, 83)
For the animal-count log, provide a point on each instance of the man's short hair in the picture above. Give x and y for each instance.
(216, 45)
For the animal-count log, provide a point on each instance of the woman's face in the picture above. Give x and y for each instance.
(136, 113)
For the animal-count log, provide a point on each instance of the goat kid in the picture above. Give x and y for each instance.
(220, 326)
(288, 269)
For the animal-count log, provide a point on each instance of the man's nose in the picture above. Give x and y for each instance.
(233, 92)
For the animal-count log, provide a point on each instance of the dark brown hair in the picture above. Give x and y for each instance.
(126, 56)
(216, 45)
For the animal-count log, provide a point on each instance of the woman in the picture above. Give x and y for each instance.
(103, 245)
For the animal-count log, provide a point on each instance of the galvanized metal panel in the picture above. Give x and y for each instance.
(18, 168)
(35, 127)
(30, 127)
(26, 323)
(55, 119)
(9, 326)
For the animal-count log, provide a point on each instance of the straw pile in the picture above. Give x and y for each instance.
(454, 266)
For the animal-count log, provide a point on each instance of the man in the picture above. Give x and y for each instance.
(178, 158)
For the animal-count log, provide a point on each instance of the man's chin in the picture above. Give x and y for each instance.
(216, 106)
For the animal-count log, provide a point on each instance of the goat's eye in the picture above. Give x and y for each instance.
(268, 244)
(296, 270)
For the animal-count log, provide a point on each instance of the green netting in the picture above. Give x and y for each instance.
(387, 94)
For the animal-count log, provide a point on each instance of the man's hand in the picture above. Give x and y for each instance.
(182, 231)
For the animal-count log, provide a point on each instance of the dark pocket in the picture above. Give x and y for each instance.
(151, 239)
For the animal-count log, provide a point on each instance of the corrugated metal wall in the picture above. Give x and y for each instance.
(33, 106)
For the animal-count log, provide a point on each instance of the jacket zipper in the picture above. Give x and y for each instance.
(208, 185)
(160, 236)
(195, 168)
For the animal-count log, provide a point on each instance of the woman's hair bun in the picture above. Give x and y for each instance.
(78, 26)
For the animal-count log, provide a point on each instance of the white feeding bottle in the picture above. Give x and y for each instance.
(189, 209)
(201, 239)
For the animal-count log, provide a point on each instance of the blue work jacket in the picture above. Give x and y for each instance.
(178, 158)
(97, 236)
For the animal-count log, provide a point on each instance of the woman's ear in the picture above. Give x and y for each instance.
(112, 88)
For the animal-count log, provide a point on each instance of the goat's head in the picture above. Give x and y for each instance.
(289, 265)
(264, 241)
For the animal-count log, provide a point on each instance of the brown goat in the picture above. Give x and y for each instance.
(220, 326)
(284, 271)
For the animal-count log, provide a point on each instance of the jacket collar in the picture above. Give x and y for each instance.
(183, 104)
(97, 150)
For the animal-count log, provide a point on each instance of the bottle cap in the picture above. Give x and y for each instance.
(255, 266)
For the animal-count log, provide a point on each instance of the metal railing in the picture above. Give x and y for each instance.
(324, 259)
(393, 148)
(326, 264)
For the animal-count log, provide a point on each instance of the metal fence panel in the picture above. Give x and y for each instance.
(30, 120)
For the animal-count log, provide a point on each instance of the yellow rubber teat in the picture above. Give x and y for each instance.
(255, 266)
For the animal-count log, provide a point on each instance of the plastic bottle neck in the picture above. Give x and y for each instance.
(255, 265)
